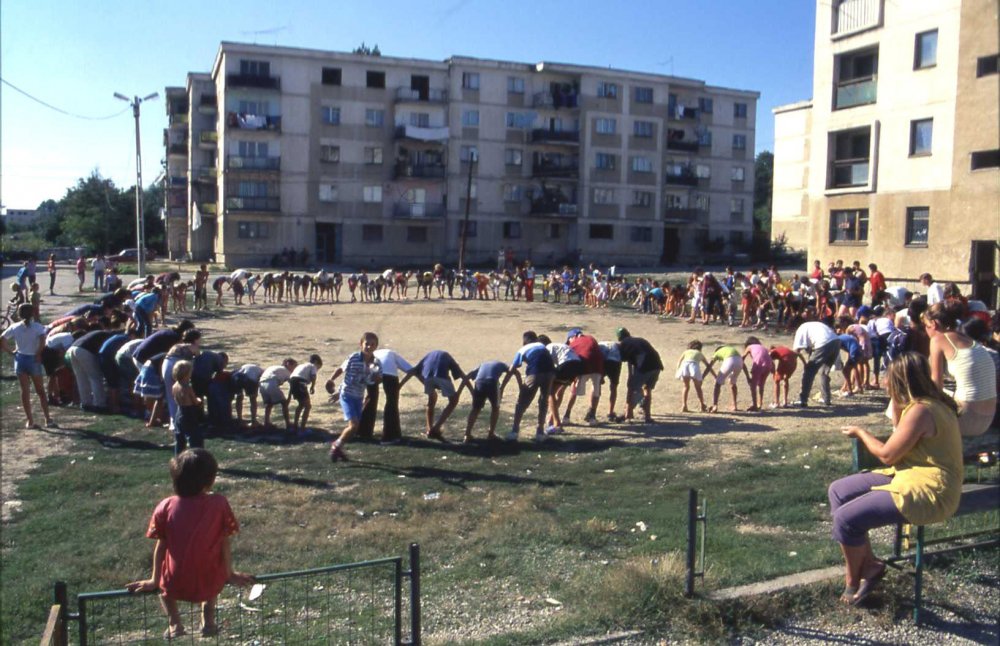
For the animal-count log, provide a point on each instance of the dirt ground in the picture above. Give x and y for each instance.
(473, 332)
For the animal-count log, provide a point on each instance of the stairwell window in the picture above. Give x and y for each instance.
(921, 134)
(925, 50)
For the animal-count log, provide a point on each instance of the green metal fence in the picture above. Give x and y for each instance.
(354, 603)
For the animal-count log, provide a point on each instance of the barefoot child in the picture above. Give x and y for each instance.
(301, 385)
(729, 370)
(360, 368)
(192, 560)
(246, 382)
(187, 420)
(689, 370)
(785, 361)
(761, 367)
(270, 390)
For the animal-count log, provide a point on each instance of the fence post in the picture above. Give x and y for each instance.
(691, 537)
(397, 603)
(415, 594)
(62, 600)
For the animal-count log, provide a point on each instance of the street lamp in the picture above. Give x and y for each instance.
(140, 227)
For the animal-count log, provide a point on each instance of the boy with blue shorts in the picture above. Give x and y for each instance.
(485, 381)
(360, 368)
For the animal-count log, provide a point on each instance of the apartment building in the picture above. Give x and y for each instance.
(373, 160)
(896, 159)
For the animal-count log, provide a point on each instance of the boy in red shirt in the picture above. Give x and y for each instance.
(785, 362)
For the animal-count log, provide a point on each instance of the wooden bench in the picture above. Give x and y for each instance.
(976, 498)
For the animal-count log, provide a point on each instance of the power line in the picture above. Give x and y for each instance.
(60, 110)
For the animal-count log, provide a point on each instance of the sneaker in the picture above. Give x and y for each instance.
(553, 430)
(800, 404)
(510, 437)
(590, 420)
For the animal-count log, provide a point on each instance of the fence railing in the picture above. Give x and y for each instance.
(354, 603)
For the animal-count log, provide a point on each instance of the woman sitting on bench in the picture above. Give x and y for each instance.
(922, 484)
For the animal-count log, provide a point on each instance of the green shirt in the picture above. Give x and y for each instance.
(725, 352)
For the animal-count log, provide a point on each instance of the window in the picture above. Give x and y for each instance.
(705, 138)
(373, 155)
(331, 115)
(925, 50)
(604, 196)
(702, 171)
(375, 79)
(602, 232)
(371, 232)
(513, 193)
(372, 194)
(985, 159)
(515, 85)
(736, 206)
(512, 157)
(252, 148)
(987, 65)
(739, 110)
(705, 105)
(605, 161)
(849, 226)
(254, 107)
(917, 225)
(327, 193)
(520, 120)
(856, 78)
(702, 202)
(470, 118)
(331, 76)
(374, 118)
(642, 234)
(643, 128)
(416, 234)
(255, 68)
(851, 152)
(511, 230)
(642, 199)
(739, 173)
(555, 231)
(470, 81)
(466, 153)
(642, 164)
(606, 126)
(672, 201)
(921, 133)
(643, 95)
(329, 153)
(739, 142)
(253, 230)
(420, 119)
(607, 90)
(469, 227)
(252, 189)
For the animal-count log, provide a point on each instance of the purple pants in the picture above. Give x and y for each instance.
(855, 508)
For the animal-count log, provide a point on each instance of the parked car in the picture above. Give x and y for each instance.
(128, 255)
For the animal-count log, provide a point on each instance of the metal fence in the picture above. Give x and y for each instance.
(355, 603)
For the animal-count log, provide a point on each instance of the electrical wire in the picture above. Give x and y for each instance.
(60, 110)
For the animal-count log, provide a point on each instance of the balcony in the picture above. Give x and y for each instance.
(207, 174)
(209, 104)
(682, 214)
(177, 180)
(682, 113)
(685, 177)
(847, 173)
(253, 163)
(177, 149)
(547, 136)
(409, 95)
(417, 210)
(209, 208)
(554, 208)
(542, 167)
(856, 92)
(555, 101)
(682, 145)
(248, 80)
(178, 119)
(244, 121)
(416, 133)
(253, 203)
(856, 15)
(208, 139)
(406, 170)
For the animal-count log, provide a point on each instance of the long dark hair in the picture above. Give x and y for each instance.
(910, 378)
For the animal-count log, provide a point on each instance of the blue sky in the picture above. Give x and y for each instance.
(76, 55)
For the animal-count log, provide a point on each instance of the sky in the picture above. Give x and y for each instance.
(75, 55)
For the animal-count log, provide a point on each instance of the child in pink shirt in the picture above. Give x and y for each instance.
(761, 367)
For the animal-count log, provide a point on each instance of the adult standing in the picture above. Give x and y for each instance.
(81, 271)
(923, 481)
(99, 266)
(876, 281)
(935, 293)
(28, 337)
(51, 265)
(644, 368)
(818, 345)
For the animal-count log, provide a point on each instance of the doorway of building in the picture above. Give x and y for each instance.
(983, 272)
(327, 243)
(671, 245)
(421, 85)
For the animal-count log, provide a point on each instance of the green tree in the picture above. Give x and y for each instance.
(763, 180)
(96, 215)
(156, 232)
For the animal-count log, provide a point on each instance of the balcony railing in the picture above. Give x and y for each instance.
(207, 174)
(849, 172)
(178, 119)
(684, 178)
(417, 210)
(208, 208)
(248, 80)
(253, 203)
(209, 103)
(418, 133)
(682, 214)
(430, 96)
(177, 180)
(253, 163)
(545, 135)
(683, 145)
(855, 15)
(245, 121)
(554, 208)
(429, 171)
(177, 149)
(680, 112)
(559, 100)
(857, 92)
(551, 169)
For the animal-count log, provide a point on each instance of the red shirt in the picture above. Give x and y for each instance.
(192, 530)
(877, 281)
(585, 347)
(785, 358)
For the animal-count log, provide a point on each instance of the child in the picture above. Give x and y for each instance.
(785, 361)
(187, 420)
(761, 366)
(485, 387)
(359, 369)
(689, 370)
(218, 285)
(270, 390)
(192, 560)
(732, 365)
(35, 298)
(246, 382)
(436, 370)
(304, 374)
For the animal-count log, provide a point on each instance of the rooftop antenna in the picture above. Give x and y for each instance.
(272, 31)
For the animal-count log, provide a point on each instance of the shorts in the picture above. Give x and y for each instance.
(245, 383)
(785, 368)
(851, 300)
(690, 369)
(270, 392)
(443, 384)
(568, 371)
(487, 391)
(758, 375)
(638, 380)
(351, 407)
(593, 379)
(730, 369)
(299, 390)
(27, 364)
(613, 371)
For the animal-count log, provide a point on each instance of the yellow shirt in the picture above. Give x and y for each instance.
(927, 483)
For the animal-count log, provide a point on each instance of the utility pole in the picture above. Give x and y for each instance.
(140, 225)
(473, 155)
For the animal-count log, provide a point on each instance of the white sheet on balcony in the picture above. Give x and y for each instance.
(426, 134)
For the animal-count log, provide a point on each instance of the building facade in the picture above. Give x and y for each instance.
(371, 160)
(896, 159)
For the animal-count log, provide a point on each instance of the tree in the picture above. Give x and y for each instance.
(366, 50)
(763, 180)
(152, 202)
(96, 215)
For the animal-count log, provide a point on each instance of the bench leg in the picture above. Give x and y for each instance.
(918, 563)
